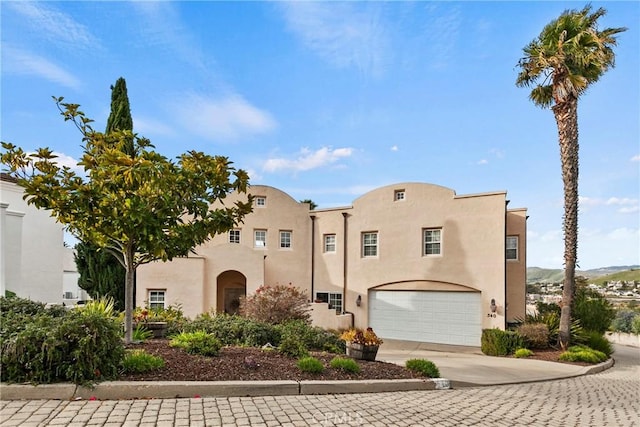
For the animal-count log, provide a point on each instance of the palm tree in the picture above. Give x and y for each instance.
(567, 57)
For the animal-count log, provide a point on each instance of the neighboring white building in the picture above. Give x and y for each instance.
(34, 263)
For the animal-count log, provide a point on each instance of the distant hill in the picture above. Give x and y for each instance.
(551, 275)
(621, 276)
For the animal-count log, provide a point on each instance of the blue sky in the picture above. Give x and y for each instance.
(328, 100)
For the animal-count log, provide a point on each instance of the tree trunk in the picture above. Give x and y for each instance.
(128, 295)
(566, 115)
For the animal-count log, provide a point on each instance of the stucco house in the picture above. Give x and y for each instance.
(414, 261)
(34, 262)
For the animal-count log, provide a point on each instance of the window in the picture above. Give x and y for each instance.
(432, 241)
(398, 195)
(512, 248)
(260, 238)
(369, 244)
(285, 239)
(333, 298)
(329, 242)
(157, 299)
(261, 201)
(234, 236)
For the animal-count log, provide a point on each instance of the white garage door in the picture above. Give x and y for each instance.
(435, 317)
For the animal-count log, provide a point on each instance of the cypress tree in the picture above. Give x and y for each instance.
(120, 116)
(101, 274)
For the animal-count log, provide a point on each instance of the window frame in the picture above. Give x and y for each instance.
(368, 245)
(281, 235)
(399, 195)
(425, 243)
(261, 201)
(327, 245)
(235, 234)
(255, 238)
(516, 249)
(153, 304)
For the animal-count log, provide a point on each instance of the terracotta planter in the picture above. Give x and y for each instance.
(361, 351)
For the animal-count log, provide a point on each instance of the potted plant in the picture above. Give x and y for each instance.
(361, 344)
(141, 318)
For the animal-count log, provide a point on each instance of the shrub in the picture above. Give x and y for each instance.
(198, 342)
(345, 364)
(358, 336)
(103, 306)
(234, 330)
(535, 335)
(276, 304)
(140, 333)
(523, 352)
(139, 361)
(52, 346)
(496, 342)
(580, 353)
(551, 318)
(635, 325)
(172, 315)
(594, 311)
(623, 321)
(313, 337)
(291, 346)
(311, 365)
(597, 341)
(425, 367)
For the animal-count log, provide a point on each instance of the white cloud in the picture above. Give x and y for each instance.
(629, 205)
(632, 209)
(55, 26)
(64, 160)
(482, 162)
(497, 153)
(25, 63)
(394, 148)
(307, 159)
(163, 26)
(228, 118)
(636, 158)
(343, 34)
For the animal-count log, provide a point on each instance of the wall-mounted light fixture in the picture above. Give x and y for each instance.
(493, 307)
(359, 300)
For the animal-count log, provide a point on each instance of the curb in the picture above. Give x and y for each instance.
(114, 390)
(587, 370)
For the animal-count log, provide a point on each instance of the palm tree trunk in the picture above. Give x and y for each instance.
(566, 115)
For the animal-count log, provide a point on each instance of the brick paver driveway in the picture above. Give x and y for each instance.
(610, 398)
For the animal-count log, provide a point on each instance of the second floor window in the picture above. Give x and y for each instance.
(260, 238)
(261, 201)
(234, 236)
(512, 248)
(285, 239)
(329, 242)
(369, 244)
(432, 241)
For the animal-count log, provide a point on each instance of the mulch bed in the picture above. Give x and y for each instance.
(250, 364)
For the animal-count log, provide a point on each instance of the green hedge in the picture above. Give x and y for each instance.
(496, 342)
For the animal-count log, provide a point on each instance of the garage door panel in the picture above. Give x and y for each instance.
(438, 317)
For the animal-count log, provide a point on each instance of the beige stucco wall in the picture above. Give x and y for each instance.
(517, 269)
(472, 247)
(32, 246)
(472, 258)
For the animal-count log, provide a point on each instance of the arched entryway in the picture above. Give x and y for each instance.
(231, 286)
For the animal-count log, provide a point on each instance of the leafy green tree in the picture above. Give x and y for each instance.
(100, 272)
(594, 311)
(141, 208)
(567, 57)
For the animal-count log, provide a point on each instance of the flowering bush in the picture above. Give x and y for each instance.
(276, 304)
(358, 336)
